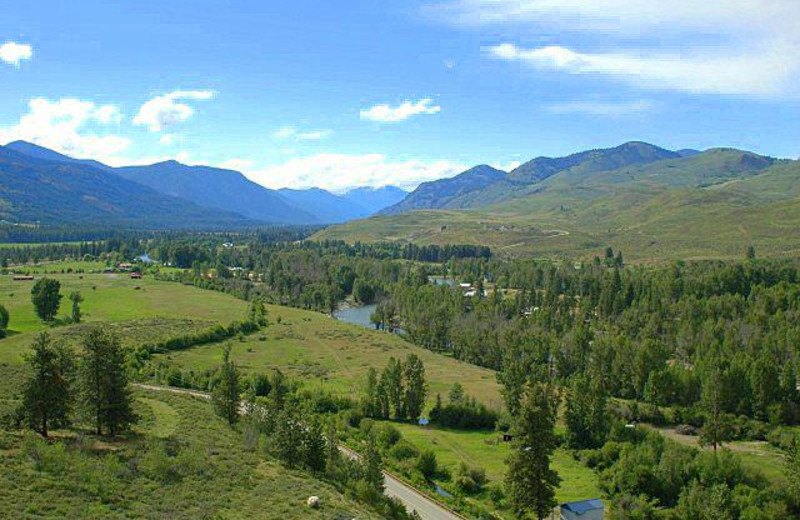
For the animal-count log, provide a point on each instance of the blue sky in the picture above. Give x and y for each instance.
(339, 94)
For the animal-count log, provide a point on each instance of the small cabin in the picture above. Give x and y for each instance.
(582, 510)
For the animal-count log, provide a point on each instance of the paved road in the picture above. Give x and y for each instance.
(413, 500)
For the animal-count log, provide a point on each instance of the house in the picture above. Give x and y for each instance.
(136, 276)
(125, 266)
(582, 510)
(22, 277)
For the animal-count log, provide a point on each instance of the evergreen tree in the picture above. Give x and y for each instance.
(314, 447)
(456, 395)
(416, 386)
(530, 481)
(5, 317)
(287, 439)
(715, 429)
(585, 414)
(373, 465)
(332, 454)
(227, 392)
(105, 396)
(46, 298)
(370, 406)
(257, 313)
(76, 298)
(47, 395)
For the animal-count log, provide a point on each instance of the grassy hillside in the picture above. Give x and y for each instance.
(156, 310)
(708, 205)
(334, 355)
(181, 462)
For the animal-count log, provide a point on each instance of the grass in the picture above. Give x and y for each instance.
(155, 310)
(334, 355)
(654, 218)
(485, 449)
(182, 462)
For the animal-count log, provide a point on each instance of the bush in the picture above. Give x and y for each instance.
(427, 464)
(404, 450)
(387, 435)
(470, 479)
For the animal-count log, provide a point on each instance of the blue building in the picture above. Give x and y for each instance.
(582, 510)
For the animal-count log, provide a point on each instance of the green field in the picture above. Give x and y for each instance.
(155, 310)
(334, 355)
(485, 449)
(182, 462)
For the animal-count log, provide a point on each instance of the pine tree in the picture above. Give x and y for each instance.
(416, 387)
(5, 317)
(76, 298)
(585, 414)
(314, 447)
(373, 465)
(227, 392)
(105, 396)
(47, 396)
(332, 454)
(715, 430)
(530, 481)
(369, 405)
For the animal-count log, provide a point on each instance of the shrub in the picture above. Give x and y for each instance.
(427, 464)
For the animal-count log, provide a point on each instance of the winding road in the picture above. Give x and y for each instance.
(410, 497)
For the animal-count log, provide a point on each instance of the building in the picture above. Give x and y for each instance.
(582, 510)
(136, 276)
(22, 277)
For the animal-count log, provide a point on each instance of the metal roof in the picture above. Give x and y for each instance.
(583, 506)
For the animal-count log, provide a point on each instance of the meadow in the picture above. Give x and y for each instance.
(486, 450)
(182, 461)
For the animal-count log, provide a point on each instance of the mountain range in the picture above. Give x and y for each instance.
(649, 201)
(64, 190)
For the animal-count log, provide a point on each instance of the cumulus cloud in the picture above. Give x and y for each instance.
(733, 47)
(389, 114)
(13, 53)
(168, 110)
(289, 132)
(69, 126)
(339, 172)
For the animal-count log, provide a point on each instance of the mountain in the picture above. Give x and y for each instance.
(375, 199)
(326, 207)
(40, 152)
(484, 186)
(218, 188)
(444, 192)
(57, 192)
(649, 202)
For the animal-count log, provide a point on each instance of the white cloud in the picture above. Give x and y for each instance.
(64, 125)
(339, 172)
(168, 139)
(13, 53)
(506, 167)
(167, 110)
(389, 114)
(289, 132)
(755, 74)
(739, 47)
(602, 108)
(236, 164)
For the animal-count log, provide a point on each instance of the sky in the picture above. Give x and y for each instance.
(367, 93)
